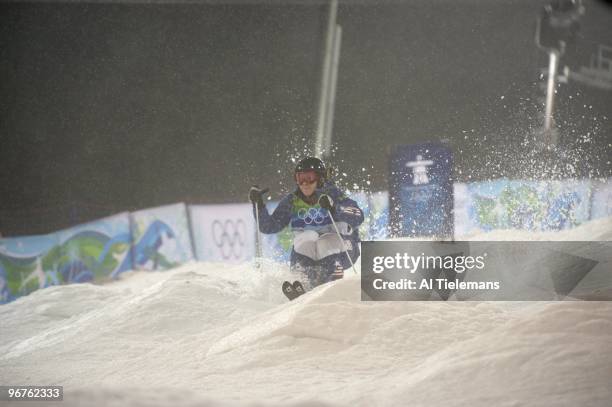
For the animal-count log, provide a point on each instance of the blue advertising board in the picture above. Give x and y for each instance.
(421, 191)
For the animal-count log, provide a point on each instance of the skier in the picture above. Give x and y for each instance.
(318, 252)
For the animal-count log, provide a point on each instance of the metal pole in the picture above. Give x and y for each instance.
(325, 78)
(550, 96)
(331, 102)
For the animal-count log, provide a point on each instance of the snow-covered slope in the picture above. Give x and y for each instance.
(213, 334)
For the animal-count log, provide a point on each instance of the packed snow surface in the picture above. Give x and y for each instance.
(219, 335)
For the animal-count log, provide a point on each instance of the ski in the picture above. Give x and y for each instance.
(292, 291)
(298, 287)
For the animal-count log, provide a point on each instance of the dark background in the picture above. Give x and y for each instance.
(113, 107)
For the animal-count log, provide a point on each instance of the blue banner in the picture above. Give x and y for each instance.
(521, 205)
(421, 191)
(161, 238)
(28, 263)
(379, 216)
(96, 250)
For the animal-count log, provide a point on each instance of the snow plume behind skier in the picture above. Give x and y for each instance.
(318, 254)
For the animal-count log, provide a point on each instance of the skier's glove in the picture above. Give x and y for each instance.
(326, 202)
(256, 195)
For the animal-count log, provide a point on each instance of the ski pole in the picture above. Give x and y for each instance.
(257, 238)
(342, 243)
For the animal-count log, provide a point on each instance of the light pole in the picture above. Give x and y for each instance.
(327, 97)
(557, 25)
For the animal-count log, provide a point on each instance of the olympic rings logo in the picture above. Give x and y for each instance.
(312, 215)
(230, 237)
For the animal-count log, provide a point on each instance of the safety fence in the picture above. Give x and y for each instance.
(165, 237)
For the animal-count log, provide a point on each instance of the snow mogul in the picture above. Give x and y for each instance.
(323, 220)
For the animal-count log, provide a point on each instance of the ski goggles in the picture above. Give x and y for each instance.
(306, 177)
